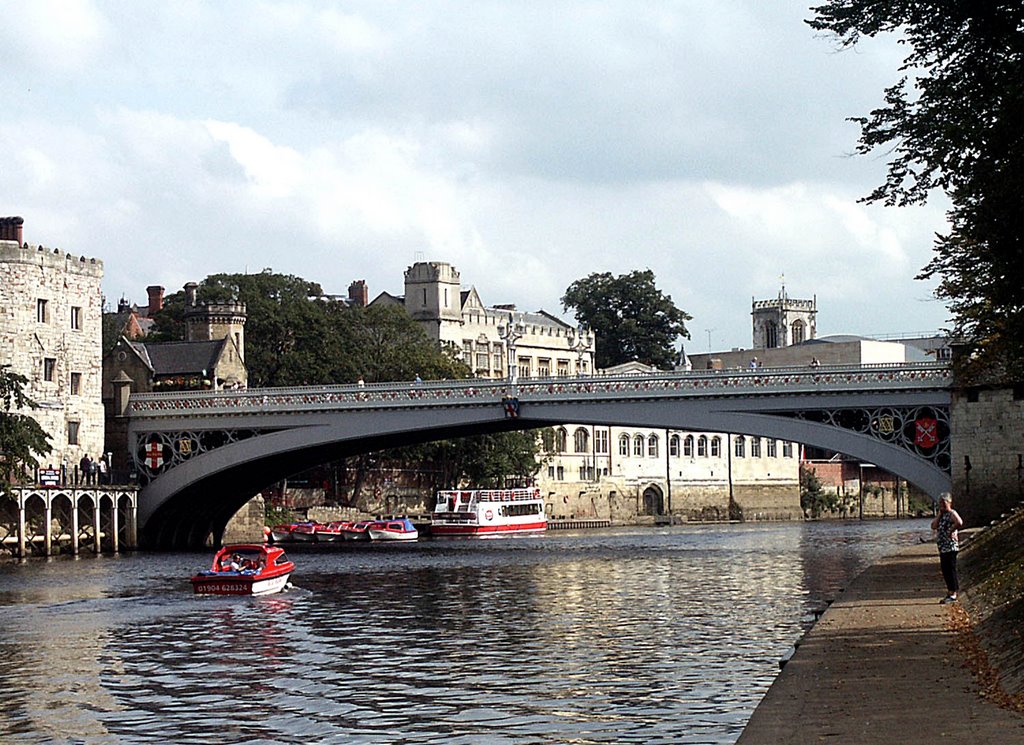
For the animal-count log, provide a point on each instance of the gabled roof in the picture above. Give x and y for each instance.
(470, 298)
(181, 357)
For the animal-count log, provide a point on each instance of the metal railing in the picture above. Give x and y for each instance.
(732, 382)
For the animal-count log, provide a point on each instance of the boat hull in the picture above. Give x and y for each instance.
(471, 529)
(239, 584)
(388, 535)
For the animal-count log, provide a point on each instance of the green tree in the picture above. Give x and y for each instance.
(386, 344)
(632, 318)
(21, 437)
(292, 338)
(814, 498)
(954, 121)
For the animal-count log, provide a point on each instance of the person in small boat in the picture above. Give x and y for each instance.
(236, 563)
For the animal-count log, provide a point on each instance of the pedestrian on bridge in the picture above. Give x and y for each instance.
(946, 524)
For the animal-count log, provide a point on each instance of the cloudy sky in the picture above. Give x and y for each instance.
(527, 143)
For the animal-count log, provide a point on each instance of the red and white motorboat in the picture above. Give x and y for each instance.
(245, 569)
(488, 512)
(396, 529)
(281, 533)
(330, 532)
(357, 531)
(303, 532)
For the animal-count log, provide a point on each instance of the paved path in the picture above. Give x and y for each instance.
(880, 667)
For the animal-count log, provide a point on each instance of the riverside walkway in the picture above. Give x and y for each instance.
(881, 666)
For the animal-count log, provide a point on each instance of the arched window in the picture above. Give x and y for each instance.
(561, 438)
(755, 447)
(702, 446)
(652, 446)
(624, 445)
(797, 331)
(740, 446)
(581, 440)
(673, 446)
(772, 450)
(547, 438)
(688, 446)
(638, 445)
(716, 447)
(771, 335)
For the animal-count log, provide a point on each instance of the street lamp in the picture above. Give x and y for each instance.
(580, 342)
(510, 335)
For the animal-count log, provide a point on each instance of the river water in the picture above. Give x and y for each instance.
(639, 635)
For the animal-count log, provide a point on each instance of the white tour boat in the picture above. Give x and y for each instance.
(488, 512)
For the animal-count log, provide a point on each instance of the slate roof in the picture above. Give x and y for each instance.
(181, 357)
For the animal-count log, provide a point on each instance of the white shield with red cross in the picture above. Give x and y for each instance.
(154, 455)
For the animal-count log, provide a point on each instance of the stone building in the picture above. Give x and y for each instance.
(496, 340)
(51, 332)
(603, 472)
(783, 321)
(212, 358)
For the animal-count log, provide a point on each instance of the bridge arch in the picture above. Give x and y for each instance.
(196, 498)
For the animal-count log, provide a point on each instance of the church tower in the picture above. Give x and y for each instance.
(783, 321)
(433, 295)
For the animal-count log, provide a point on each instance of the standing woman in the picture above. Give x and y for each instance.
(946, 525)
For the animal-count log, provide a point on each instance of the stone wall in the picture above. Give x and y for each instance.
(247, 524)
(987, 429)
(51, 327)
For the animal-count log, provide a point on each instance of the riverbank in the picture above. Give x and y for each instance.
(887, 662)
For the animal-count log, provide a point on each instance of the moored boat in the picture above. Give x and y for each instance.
(488, 512)
(303, 532)
(357, 531)
(245, 569)
(330, 532)
(397, 529)
(281, 533)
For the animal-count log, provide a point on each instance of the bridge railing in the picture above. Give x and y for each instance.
(477, 391)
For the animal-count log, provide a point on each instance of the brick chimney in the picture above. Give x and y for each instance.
(359, 293)
(156, 299)
(10, 229)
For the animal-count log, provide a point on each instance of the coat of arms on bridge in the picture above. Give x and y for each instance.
(926, 432)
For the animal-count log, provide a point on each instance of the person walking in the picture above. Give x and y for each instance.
(101, 470)
(946, 524)
(85, 468)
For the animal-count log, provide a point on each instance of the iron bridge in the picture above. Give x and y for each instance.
(200, 456)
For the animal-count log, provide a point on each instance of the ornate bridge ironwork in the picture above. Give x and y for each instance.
(896, 416)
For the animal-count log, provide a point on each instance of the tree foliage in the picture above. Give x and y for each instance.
(954, 121)
(632, 318)
(815, 500)
(295, 337)
(21, 437)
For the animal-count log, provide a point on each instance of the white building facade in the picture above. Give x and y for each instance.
(603, 472)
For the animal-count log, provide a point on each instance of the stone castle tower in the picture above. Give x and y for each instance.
(214, 321)
(783, 321)
(433, 295)
(51, 332)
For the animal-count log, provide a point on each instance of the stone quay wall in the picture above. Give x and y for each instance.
(988, 451)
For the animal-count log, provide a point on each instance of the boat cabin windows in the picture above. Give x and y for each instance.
(518, 510)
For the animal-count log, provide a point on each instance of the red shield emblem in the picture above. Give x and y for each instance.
(926, 432)
(154, 455)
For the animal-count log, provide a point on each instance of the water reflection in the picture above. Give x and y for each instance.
(652, 636)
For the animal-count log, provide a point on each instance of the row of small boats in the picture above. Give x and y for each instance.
(391, 529)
